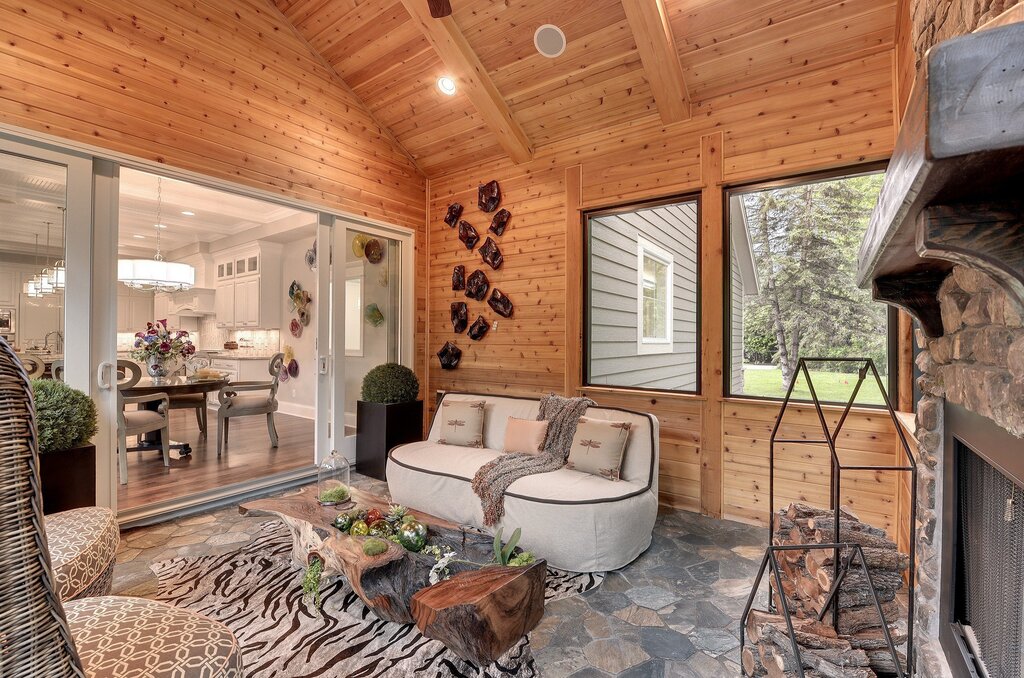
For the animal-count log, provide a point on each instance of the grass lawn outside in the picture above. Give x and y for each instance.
(766, 381)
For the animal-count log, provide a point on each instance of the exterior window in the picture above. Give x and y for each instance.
(354, 309)
(654, 298)
(641, 298)
(793, 290)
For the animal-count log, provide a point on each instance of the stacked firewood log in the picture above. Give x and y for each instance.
(857, 648)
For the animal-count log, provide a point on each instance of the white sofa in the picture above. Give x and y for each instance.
(576, 521)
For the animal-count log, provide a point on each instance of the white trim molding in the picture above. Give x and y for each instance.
(647, 345)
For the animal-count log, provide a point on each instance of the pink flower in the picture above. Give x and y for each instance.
(152, 332)
(140, 334)
(165, 347)
(189, 349)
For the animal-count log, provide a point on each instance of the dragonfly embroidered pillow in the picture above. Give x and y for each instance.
(599, 447)
(462, 423)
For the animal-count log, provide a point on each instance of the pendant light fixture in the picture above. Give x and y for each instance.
(33, 286)
(156, 274)
(57, 275)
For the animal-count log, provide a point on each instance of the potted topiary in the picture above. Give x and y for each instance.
(388, 415)
(65, 423)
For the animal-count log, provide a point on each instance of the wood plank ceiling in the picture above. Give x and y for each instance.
(600, 81)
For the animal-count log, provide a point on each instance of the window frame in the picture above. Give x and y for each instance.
(586, 215)
(654, 345)
(355, 271)
(892, 338)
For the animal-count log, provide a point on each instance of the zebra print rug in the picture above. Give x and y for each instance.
(257, 593)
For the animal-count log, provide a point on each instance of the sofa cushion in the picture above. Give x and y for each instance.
(562, 486)
(83, 543)
(462, 423)
(597, 447)
(525, 435)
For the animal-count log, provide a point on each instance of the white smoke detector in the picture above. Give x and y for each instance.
(549, 40)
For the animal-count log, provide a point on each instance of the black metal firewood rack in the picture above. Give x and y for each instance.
(841, 564)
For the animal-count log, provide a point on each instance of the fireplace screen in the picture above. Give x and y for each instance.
(990, 568)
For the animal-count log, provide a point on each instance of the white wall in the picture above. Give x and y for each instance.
(297, 396)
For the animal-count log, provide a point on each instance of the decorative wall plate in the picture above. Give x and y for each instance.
(359, 243)
(289, 353)
(479, 328)
(501, 304)
(295, 327)
(293, 368)
(459, 277)
(451, 217)
(304, 317)
(491, 255)
(488, 196)
(499, 222)
(460, 316)
(374, 251)
(373, 315)
(311, 257)
(468, 235)
(477, 285)
(449, 355)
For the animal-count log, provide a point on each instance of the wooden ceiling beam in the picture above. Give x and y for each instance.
(648, 19)
(464, 65)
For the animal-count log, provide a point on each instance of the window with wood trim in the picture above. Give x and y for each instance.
(793, 291)
(642, 297)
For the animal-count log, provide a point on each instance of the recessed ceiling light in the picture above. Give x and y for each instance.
(187, 213)
(139, 237)
(446, 84)
(549, 40)
(159, 226)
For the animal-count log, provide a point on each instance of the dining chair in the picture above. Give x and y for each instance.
(192, 401)
(102, 636)
(34, 367)
(140, 421)
(260, 397)
(57, 369)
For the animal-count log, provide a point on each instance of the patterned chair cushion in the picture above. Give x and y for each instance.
(83, 543)
(118, 637)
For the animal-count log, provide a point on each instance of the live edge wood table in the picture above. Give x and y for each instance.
(476, 613)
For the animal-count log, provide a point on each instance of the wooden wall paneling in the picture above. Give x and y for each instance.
(649, 22)
(202, 90)
(574, 272)
(449, 43)
(712, 321)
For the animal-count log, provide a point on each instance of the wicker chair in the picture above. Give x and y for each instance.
(262, 402)
(106, 636)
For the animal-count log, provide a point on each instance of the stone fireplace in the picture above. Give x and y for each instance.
(946, 243)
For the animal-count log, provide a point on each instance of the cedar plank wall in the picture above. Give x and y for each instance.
(227, 90)
(834, 117)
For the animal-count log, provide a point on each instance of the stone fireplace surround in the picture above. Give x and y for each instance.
(978, 365)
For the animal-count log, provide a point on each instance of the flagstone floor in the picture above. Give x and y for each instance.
(672, 613)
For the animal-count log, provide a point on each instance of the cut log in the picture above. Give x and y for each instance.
(827, 524)
(865, 539)
(880, 559)
(881, 661)
(855, 579)
(799, 510)
(855, 619)
(751, 662)
(873, 639)
(480, 615)
(757, 618)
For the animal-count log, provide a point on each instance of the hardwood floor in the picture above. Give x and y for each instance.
(248, 456)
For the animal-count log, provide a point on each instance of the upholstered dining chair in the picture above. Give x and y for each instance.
(34, 367)
(139, 421)
(57, 369)
(248, 398)
(193, 401)
(105, 636)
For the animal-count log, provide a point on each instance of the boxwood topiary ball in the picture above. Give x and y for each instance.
(390, 383)
(65, 416)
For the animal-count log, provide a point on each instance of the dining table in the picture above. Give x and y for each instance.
(172, 386)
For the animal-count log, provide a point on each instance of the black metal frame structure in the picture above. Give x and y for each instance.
(841, 565)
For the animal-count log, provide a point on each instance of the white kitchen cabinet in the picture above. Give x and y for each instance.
(10, 287)
(249, 293)
(134, 309)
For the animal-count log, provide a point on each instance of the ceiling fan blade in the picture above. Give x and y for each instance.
(439, 8)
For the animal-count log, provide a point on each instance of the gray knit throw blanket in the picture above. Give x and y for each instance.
(494, 477)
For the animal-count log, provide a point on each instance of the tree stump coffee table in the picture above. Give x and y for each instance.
(478, 613)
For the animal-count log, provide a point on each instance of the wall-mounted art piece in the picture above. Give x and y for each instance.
(491, 254)
(460, 316)
(488, 196)
(451, 217)
(501, 304)
(374, 316)
(477, 285)
(459, 277)
(499, 222)
(479, 328)
(449, 355)
(468, 235)
(310, 257)
(374, 251)
(358, 245)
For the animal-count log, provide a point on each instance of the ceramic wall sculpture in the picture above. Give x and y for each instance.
(499, 222)
(374, 316)
(374, 251)
(479, 328)
(501, 304)
(460, 316)
(468, 235)
(491, 254)
(459, 277)
(477, 285)
(451, 217)
(449, 355)
(488, 196)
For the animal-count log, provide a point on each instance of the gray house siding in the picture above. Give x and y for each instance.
(736, 311)
(614, 359)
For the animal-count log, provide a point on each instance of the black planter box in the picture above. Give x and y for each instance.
(68, 478)
(379, 428)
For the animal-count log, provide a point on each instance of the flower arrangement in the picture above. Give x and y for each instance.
(160, 343)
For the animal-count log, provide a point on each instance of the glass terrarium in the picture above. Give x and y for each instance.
(333, 480)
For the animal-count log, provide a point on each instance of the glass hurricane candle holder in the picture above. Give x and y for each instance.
(333, 478)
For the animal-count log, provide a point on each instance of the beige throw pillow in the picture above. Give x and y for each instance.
(462, 423)
(525, 435)
(598, 447)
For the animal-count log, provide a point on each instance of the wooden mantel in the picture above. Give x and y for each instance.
(954, 190)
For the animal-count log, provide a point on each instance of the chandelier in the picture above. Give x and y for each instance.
(38, 285)
(156, 274)
(56, 275)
